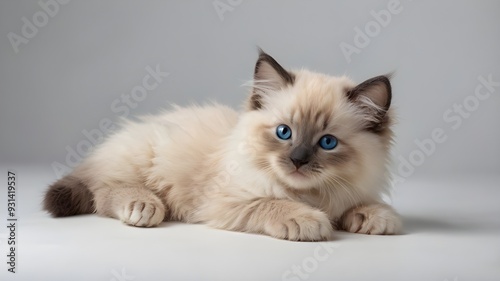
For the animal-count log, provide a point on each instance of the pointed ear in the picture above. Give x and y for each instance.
(374, 97)
(269, 76)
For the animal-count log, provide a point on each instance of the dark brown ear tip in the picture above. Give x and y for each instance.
(265, 57)
(390, 75)
(382, 98)
(261, 52)
(386, 79)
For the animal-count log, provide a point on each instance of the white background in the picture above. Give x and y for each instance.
(66, 77)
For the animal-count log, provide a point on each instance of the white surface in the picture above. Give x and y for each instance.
(452, 229)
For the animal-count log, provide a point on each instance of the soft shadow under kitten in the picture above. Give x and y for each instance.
(307, 155)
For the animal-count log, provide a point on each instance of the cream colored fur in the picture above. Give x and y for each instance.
(211, 164)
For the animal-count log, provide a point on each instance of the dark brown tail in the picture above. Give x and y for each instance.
(68, 196)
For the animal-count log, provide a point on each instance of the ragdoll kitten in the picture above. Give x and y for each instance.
(308, 155)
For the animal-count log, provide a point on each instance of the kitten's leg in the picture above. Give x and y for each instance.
(278, 218)
(135, 206)
(371, 219)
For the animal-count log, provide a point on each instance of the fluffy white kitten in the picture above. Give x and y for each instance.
(307, 155)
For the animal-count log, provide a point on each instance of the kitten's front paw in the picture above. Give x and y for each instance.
(145, 214)
(372, 219)
(305, 225)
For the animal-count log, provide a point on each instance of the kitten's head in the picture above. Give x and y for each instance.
(311, 130)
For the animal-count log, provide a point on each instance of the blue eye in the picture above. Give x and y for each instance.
(328, 142)
(283, 132)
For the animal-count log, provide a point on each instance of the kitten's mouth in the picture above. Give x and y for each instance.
(297, 173)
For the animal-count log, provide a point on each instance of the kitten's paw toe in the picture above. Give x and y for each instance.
(308, 226)
(372, 219)
(145, 214)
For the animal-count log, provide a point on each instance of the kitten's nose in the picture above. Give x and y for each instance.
(299, 162)
(300, 156)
